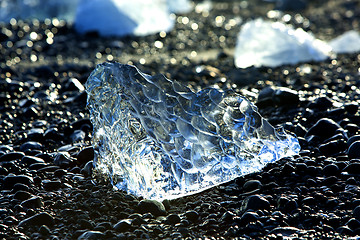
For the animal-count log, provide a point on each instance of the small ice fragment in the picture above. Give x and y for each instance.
(348, 42)
(123, 17)
(155, 138)
(265, 43)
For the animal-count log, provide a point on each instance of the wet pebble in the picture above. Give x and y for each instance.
(255, 202)
(331, 170)
(173, 219)
(38, 219)
(28, 160)
(123, 225)
(192, 215)
(51, 185)
(94, 235)
(34, 202)
(252, 185)
(85, 155)
(248, 217)
(22, 195)
(354, 150)
(11, 156)
(352, 168)
(31, 145)
(11, 180)
(324, 128)
(151, 206)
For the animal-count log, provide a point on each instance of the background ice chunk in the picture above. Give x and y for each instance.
(348, 42)
(265, 43)
(39, 9)
(179, 6)
(182, 144)
(123, 17)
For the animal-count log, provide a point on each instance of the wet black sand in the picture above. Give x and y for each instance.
(45, 132)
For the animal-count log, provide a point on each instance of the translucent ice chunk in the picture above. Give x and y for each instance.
(39, 9)
(265, 43)
(348, 42)
(123, 17)
(156, 138)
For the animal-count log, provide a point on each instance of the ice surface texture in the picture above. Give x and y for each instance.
(265, 43)
(156, 138)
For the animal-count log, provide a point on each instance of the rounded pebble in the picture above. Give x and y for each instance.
(151, 206)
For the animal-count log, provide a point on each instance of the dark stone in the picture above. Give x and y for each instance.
(91, 235)
(351, 107)
(38, 220)
(35, 134)
(354, 150)
(123, 225)
(85, 224)
(60, 173)
(85, 155)
(63, 160)
(30, 146)
(352, 128)
(248, 217)
(87, 170)
(280, 96)
(151, 206)
(255, 202)
(228, 216)
(10, 181)
(285, 96)
(352, 168)
(53, 133)
(331, 170)
(324, 128)
(309, 201)
(173, 219)
(192, 215)
(252, 185)
(333, 147)
(11, 156)
(28, 160)
(48, 169)
(22, 195)
(285, 231)
(20, 186)
(34, 202)
(353, 223)
(51, 185)
(321, 103)
(356, 213)
(44, 230)
(37, 166)
(30, 112)
(345, 230)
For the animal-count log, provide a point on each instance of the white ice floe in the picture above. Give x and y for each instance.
(348, 42)
(123, 17)
(265, 43)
